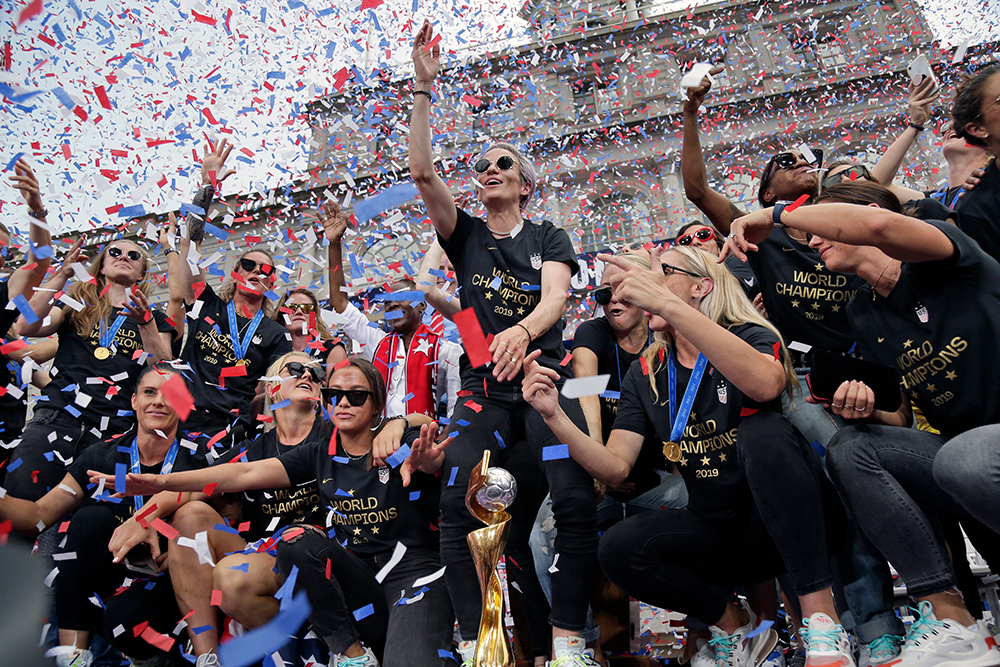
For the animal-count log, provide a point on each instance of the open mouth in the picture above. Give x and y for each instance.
(304, 385)
(493, 181)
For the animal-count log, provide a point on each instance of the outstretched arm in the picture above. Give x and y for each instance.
(335, 225)
(920, 99)
(175, 265)
(27, 278)
(229, 478)
(436, 195)
(427, 283)
(715, 205)
(42, 300)
(32, 517)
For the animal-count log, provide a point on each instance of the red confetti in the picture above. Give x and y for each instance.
(472, 337)
(178, 397)
(165, 529)
(201, 18)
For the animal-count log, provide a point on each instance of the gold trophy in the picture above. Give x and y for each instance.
(491, 491)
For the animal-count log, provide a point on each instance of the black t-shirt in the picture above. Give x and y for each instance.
(717, 487)
(209, 349)
(371, 508)
(979, 211)
(806, 301)
(295, 504)
(927, 209)
(322, 351)
(12, 410)
(103, 456)
(939, 326)
(501, 279)
(109, 383)
(744, 274)
(597, 336)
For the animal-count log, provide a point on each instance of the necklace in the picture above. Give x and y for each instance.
(502, 235)
(875, 285)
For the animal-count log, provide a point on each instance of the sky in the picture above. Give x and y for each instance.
(110, 100)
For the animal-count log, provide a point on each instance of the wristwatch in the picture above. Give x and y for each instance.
(776, 212)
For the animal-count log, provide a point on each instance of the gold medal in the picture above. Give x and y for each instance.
(672, 451)
(241, 362)
(102, 353)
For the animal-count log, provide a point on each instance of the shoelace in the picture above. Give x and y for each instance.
(575, 660)
(923, 625)
(820, 639)
(360, 661)
(886, 646)
(724, 645)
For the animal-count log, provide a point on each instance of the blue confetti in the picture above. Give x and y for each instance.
(364, 612)
(555, 452)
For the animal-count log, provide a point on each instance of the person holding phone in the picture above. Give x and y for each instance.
(706, 394)
(931, 308)
(87, 567)
(350, 569)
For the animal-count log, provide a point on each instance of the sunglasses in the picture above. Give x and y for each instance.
(703, 234)
(786, 160)
(670, 269)
(304, 307)
(249, 265)
(297, 370)
(504, 162)
(356, 397)
(115, 252)
(849, 174)
(603, 295)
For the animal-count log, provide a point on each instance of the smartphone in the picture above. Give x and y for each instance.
(920, 68)
(139, 559)
(830, 370)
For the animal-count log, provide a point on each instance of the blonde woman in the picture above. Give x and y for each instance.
(107, 331)
(298, 310)
(373, 509)
(707, 394)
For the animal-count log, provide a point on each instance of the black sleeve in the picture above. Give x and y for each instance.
(631, 415)
(89, 459)
(556, 247)
(760, 338)
(7, 317)
(280, 345)
(592, 336)
(455, 246)
(301, 463)
(210, 301)
(410, 435)
(744, 274)
(968, 257)
(196, 226)
(231, 454)
(163, 322)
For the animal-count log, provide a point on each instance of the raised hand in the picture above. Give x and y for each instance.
(168, 234)
(213, 161)
(921, 98)
(137, 308)
(388, 440)
(72, 257)
(696, 96)
(746, 232)
(24, 179)
(425, 452)
(539, 386)
(642, 288)
(426, 61)
(334, 221)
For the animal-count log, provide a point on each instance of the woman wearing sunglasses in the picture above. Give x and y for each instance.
(299, 310)
(931, 308)
(103, 327)
(514, 274)
(706, 394)
(704, 237)
(232, 340)
(370, 509)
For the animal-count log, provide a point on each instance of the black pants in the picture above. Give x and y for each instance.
(407, 635)
(92, 573)
(36, 451)
(673, 558)
(504, 413)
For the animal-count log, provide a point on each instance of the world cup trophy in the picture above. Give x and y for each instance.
(491, 491)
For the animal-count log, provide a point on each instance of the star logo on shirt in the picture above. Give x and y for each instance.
(819, 266)
(907, 343)
(357, 531)
(951, 375)
(375, 530)
(520, 311)
(683, 462)
(815, 306)
(705, 461)
(836, 308)
(423, 347)
(722, 458)
(795, 303)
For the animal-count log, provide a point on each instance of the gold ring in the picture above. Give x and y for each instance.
(512, 356)
(836, 406)
(849, 405)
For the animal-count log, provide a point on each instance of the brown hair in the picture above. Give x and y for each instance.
(228, 289)
(324, 332)
(968, 104)
(97, 307)
(863, 193)
(376, 385)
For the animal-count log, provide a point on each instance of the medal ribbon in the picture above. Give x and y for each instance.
(166, 467)
(107, 336)
(240, 349)
(679, 414)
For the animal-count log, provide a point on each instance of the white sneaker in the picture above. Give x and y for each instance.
(738, 650)
(572, 652)
(705, 657)
(365, 660)
(931, 643)
(827, 643)
(207, 660)
(467, 651)
(884, 649)
(79, 657)
(775, 659)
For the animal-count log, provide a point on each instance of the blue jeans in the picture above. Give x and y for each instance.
(968, 468)
(671, 493)
(863, 581)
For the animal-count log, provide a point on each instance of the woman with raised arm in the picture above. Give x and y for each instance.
(107, 332)
(708, 392)
(371, 510)
(298, 310)
(931, 308)
(514, 275)
(232, 338)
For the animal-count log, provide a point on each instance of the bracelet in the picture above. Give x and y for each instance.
(170, 250)
(918, 128)
(406, 422)
(423, 92)
(776, 212)
(525, 331)
(39, 215)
